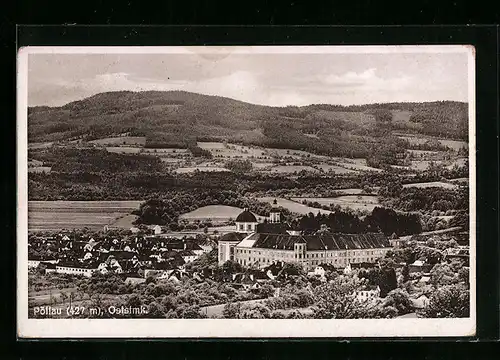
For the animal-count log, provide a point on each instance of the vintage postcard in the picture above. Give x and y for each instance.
(240, 192)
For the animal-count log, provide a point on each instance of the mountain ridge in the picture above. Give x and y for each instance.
(191, 115)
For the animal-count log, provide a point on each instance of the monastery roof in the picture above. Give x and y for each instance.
(276, 241)
(233, 236)
(324, 241)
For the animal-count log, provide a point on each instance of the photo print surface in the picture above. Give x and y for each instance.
(246, 191)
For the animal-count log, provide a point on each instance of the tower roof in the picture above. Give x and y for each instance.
(246, 216)
(275, 207)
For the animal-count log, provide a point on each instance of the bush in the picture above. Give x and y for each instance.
(451, 301)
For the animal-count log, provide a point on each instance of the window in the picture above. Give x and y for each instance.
(241, 226)
(249, 227)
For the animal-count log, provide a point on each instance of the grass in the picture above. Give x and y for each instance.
(165, 151)
(228, 151)
(419, 139)
(124, 222)
(355, 202)
(121, 140)
(43, 145)
(57, 215)
(190, 169)
(335, 169)
(39, 169)
(287, 169)
(432, 184)
(214, 212)
(124, 150)
(293, 206)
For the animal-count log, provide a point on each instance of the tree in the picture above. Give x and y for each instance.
(231, 267)
(450, 301)
(155, 311)
(443, 274)
(232, 310)
(337, 299)
(399, 299)
(239, 166)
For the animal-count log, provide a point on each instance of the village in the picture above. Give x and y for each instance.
(259, 261)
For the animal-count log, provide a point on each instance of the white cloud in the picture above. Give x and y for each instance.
(368, 81)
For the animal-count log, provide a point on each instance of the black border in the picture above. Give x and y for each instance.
(485, 40)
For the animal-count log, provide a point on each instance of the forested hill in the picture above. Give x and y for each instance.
(178, 116)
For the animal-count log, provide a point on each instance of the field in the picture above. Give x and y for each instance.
(169, 151)
(290, 169)
(335, 169)
(422, 165)
(356, 164)
(39, 169)
(432, 184)
(423, 153)
(56, 215)
(293, 206)
(453, 144)
(44, 145)
(124, 150)
(121, 140)
(228, 151)
(214, 212)
(355, 202)
(189, 169)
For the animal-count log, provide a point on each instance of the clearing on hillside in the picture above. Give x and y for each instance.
(354, 202)
(293, 206)
(121, 140)
(215, 212)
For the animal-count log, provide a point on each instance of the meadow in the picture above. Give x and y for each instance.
(453, 144)
(124, 150)
(354, 202)
(121, 140)
(214, 212)
(293, 206)
(56, 215)
(432, 184)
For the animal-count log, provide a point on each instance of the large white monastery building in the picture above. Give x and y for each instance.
(259, 244)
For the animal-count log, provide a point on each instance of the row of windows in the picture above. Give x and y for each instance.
(310, 255)
(72, 269)
(249, 227)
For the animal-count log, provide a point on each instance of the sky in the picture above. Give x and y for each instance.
(266, 79)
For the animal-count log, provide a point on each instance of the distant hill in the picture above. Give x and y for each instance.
(178, 116)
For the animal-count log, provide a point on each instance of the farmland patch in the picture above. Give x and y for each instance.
(124, 150)
(214, 212)
(432, 184)
(190, 169)
(293, 206)
(355, 202)
(121, 140)
(57, 215)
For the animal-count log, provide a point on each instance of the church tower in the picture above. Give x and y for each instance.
(275, 213)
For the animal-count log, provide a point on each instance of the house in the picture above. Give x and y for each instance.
(318, 271)
(419, 266)
(421, 302)
(157, 230)
(369, 292)
(188, 256)
(424, 279)
(134, 230)
(34, 262)
(75, 268)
